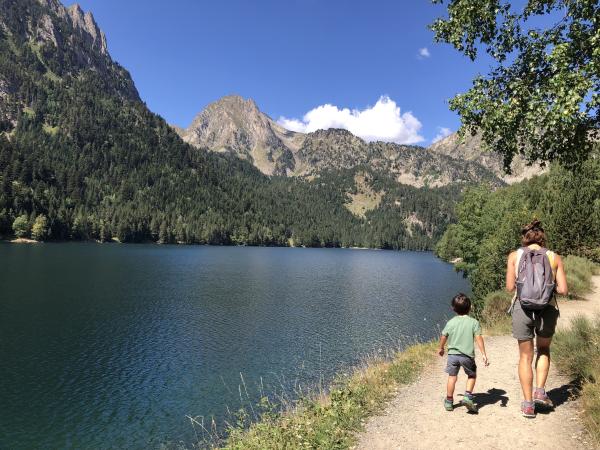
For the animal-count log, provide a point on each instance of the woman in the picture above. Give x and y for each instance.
(527, 324)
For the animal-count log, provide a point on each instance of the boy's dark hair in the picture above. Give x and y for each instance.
(461, 304)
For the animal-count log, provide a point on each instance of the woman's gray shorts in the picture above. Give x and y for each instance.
(455, 362)
(527, 324)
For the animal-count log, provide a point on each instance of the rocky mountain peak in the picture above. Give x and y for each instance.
(85, 23)
(235, 124)
(471, 148)
(82, 22)
(79, 44)
(335, 133)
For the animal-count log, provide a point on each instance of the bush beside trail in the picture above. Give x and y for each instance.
(577, 353)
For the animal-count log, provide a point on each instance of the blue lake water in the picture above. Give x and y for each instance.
(112, 346)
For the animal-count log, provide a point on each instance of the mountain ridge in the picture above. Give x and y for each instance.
(236, 125)
(472, 148)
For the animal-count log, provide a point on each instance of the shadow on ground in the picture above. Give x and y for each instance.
(562, 394)
(490, 397)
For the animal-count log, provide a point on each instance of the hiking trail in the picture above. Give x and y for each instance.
(415, 418)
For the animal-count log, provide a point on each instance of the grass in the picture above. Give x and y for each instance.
(579, 272)
(50, 129)
(494, 317)
(331, 420)
(577, 353)
(365, 199)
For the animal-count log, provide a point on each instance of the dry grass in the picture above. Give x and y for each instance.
(577, 353)
(331, 420)
(494, 316)
(579, 273)
(365, 199)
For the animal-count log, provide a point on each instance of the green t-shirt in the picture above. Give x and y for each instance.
(461, 331)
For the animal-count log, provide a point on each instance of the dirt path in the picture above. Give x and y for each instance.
(416, 419)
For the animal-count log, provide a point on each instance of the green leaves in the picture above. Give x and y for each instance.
(541, 99)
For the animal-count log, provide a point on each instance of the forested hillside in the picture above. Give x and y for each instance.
(81, 157)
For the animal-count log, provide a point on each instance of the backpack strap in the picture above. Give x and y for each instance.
(520, 252)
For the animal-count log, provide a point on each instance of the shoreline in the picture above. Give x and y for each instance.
(23, 241)
(180, 244)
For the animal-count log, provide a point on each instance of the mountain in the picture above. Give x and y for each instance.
(82, 157)
(236, 125)
(57, 42)
(471, 148)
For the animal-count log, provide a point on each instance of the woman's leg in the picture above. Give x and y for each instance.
(525, 370)
(542, 361)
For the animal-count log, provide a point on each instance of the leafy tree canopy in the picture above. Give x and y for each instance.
(541, 98)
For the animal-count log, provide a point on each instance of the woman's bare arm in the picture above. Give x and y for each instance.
(510, 272)
(561, 278)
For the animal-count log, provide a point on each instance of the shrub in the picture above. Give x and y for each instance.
(21, 226)
(494, 314)
(332, 421)
(579, 272)
(577, 353)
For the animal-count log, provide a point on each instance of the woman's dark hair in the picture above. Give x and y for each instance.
(461, 304)
(533, 233)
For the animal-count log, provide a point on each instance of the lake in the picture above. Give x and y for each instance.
(111, 346)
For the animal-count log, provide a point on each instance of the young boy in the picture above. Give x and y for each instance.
(460, 332)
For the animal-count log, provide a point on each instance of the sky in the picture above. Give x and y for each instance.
(369, 66)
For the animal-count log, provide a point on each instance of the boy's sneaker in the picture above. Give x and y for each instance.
(541, 399)
(448, 404)
(528, 410)
(469, 403)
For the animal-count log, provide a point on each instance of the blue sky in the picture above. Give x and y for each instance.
(290, 56)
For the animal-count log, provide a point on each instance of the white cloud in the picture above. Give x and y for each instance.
(381, 122)
(424, 53)
(442, 133)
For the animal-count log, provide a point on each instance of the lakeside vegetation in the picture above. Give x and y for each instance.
(577, 353)
(331, 420)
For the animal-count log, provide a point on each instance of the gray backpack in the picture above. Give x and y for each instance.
(535, 280)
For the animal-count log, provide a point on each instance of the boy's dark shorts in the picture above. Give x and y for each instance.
(528, 324)
(455, 362)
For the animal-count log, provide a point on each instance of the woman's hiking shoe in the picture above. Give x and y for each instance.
(469, 403)
(528, 410)
(542, 400)
(448, 404)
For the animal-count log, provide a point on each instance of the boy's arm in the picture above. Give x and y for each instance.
(443, 340)
(481, 346)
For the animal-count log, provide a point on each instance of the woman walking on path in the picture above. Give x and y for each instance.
(531, 321)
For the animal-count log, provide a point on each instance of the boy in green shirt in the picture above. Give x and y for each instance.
(459, 333)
